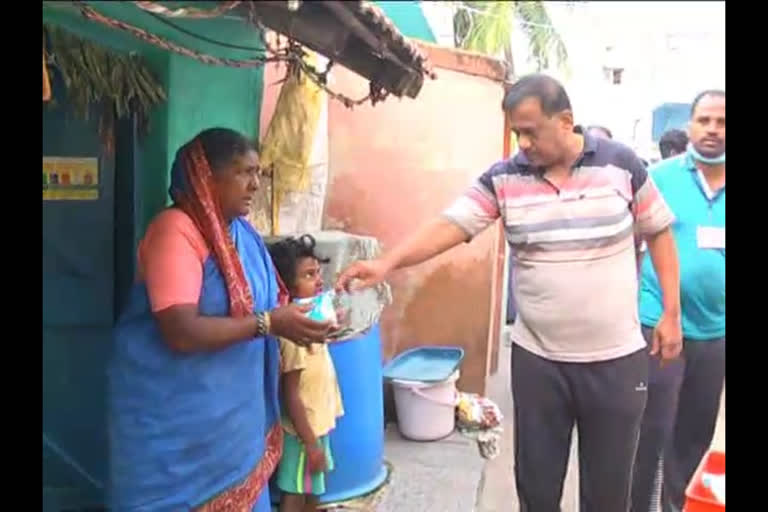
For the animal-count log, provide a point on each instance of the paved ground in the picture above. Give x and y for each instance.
(441, 476)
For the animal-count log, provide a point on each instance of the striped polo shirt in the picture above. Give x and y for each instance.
(573, 252)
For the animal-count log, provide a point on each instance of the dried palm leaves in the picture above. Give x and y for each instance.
(94, 75)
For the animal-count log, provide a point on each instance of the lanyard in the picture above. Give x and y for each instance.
(710, 196)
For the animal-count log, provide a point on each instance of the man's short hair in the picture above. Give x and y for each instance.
(550, 93)
(718, 93)
(672, 142)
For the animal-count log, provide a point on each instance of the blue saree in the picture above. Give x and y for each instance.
(189, 429)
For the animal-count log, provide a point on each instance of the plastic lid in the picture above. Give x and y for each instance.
(425, 364)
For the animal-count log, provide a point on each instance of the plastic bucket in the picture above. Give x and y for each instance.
(426, 411)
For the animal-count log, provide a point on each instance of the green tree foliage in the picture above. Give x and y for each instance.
(486, 27)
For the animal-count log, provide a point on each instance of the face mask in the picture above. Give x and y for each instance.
(703, 159)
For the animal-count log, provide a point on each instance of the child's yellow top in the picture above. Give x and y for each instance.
(318, 386)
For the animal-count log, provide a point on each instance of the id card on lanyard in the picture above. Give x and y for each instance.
(709, 237)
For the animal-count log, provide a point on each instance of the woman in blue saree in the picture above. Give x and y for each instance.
(194, 414)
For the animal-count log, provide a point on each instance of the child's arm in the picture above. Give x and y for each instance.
(295, 408)
(298, 416)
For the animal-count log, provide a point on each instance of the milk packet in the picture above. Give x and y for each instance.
(323, 309)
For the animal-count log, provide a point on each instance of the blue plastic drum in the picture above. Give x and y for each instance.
(358, 440)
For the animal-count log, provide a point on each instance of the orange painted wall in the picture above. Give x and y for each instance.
(400, 163)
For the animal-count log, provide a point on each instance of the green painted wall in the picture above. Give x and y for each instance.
(205, 96)
(408, 18)
(199, 96)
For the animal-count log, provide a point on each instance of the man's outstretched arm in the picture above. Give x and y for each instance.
(431, 239)
(466, 217)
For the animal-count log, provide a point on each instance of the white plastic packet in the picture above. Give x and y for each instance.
(323, 309)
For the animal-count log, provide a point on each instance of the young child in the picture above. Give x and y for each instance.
(310, 395)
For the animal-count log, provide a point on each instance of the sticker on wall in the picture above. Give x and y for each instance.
(70, 179)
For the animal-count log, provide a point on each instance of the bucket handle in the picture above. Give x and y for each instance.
(451, 404)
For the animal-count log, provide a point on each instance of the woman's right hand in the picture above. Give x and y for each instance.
(291, 322)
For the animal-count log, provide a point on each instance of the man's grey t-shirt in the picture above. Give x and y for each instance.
(574, 264)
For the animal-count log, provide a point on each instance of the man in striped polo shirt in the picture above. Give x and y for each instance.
(684, 397)
(571, 204)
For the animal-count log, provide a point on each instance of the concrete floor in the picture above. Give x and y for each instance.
(441, 476)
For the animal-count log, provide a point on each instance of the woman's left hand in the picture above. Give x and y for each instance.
(291, 322)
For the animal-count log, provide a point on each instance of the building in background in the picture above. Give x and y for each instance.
(626, 59)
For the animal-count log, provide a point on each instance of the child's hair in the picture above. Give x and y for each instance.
(287, 252)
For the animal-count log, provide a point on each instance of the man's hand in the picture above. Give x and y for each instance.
(667, 338)
(367, 273)
(433, 238)
(316, 458)
(668, 334)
